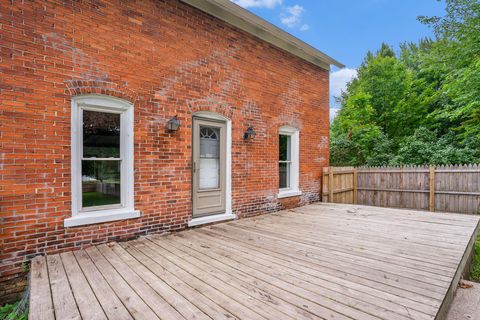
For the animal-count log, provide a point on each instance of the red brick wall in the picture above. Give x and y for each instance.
(167, 58)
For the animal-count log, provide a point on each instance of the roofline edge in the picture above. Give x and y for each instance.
(236, 16)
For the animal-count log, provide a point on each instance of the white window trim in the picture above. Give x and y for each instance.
(102, 103)
(294, 189)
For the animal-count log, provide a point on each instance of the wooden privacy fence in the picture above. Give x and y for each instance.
(440, 188)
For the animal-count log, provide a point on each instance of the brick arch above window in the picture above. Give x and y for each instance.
(288, 124)
(107, 88)
(213, 106)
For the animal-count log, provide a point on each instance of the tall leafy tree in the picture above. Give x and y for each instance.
(458, 50)
(419, 106)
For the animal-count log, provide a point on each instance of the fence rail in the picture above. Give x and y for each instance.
(441, 188)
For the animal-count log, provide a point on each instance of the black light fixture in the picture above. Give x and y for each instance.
(173, 124)
(249, 134)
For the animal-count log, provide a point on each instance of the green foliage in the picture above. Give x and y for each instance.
(424, 147)
(10, 312)
(420, 106)
(25, 267)
(475, 271)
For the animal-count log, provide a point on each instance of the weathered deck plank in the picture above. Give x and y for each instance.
(209, 291)
(237, 279)
(158, 305)
(41, 305)
(344, 261)
(334, 287)
(322, 261)
(111, 304)
(316, 273)
(176, 300)
(63, 300)
(132, 301)
(283, 278)
(226, 287)
(209, 307)
(87, 303)
(387, 284)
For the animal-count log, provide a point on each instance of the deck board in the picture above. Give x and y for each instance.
(209, 307)
(125, 291)
(111, 304)
(315, 274)
(176, 300)
(334, 287)
(144, 291)
(63, 300)
(237, 279)
(41, 304)
(87, 303)
(322, 261)
(284, 279)
(350, 272)
(226, 287)
(206, 289)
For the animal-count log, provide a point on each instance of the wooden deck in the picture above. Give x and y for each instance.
(322, 261)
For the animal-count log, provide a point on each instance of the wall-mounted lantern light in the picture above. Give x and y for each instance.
(173, 125)
(249, 134)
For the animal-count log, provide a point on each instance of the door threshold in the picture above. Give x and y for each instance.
(213, 218)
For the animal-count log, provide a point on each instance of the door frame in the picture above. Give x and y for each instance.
(228, 214)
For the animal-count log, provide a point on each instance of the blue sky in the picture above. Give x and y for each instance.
(347, 29)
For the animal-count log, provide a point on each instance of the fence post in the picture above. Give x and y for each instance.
(432, 188)
(330, 184)
(355, 188)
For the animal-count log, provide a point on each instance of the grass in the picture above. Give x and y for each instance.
(475, 273)
(10, 312)
(98, 199)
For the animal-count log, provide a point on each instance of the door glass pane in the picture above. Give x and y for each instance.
(101, 134)
(209, 170)
(284, 148)
(100, 182)
(284, 175)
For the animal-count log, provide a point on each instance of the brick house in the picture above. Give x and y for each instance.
(122, 118)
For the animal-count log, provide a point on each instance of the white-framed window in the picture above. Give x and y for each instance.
(288, 162)
(102, 160)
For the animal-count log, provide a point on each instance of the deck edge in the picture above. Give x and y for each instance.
(462, 270)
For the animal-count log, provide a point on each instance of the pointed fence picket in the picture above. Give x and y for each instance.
(448, 188)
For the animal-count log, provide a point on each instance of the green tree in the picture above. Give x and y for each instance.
(355, 135)
(419, 106)
(458, 50)
(424, 147)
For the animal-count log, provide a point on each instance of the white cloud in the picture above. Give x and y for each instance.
(305, 27)
(258, 3)
(339, 80)
(293, 15)
(333, 113)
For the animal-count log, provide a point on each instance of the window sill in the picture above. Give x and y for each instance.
(288, 194)
(209, 219)
(100, 216)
